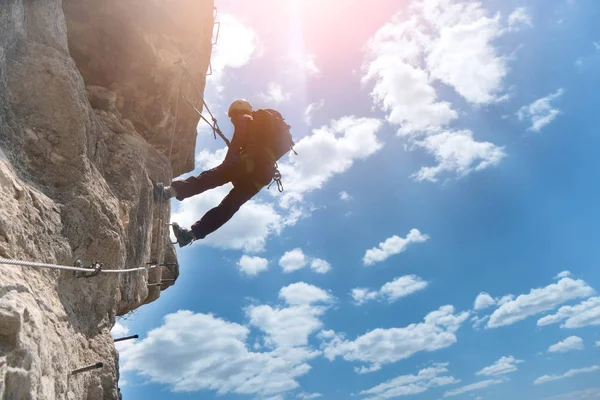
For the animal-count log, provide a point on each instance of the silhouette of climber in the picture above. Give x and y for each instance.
(259, 139)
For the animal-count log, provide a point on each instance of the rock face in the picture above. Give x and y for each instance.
(89, 115)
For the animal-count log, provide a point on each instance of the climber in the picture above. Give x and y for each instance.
(260, 138)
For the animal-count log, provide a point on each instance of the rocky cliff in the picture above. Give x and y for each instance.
(89, 115)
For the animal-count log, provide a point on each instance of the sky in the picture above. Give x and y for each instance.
(437, 236)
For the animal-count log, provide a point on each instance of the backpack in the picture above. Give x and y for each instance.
(274, 132)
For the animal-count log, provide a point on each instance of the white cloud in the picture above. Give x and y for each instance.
(308, 396)
(310, 111)
(391, 291)
(209, 353)
(538, 300)
(449, 41)
(563, 274)
(392, 246)
(345, 196)
(586, 313)
(290, 326)
(407, 385)
(328, 151)
(320, 266)
(587, 394)
(237, 45)
(275, 94)
(569, 344)
(119, 330)
(503, 366)
(457, 152)
(570, 373)
(252, 265)
(598, 343)
(473, 386)
(362, 295)
(302, 293)
(461, 54)
(519, 18)
(385, 346)
(483, 301)
(540, 113)
(293, 260)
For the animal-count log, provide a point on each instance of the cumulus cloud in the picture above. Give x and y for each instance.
(252, 265)
(320, 266)
(392, 246)
(569, 344)
(519, 18)
(293, 260)
(384, 346)
(587, 313)
(209, 353)
(407, 385)
(275, 94)
(457, 152)
(503, 366)
(570, 373)
(438, 40)
(302, 293)
(473, 386)
(563, 274)
(328, 151)
(391, 291)
(541, 112)
(538, 300)
(119, 330)
(483, 301)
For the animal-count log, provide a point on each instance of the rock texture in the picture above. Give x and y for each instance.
(88, 109)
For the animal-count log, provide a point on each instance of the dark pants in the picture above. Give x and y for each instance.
(247, 182)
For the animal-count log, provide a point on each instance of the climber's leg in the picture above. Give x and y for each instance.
(207, 180)
(215, 218)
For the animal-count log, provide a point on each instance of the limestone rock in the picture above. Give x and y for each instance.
(88, 107)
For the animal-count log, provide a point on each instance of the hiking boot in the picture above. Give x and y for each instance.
(184, 236)
(161, 193)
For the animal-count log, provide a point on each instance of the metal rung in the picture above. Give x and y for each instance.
(95, 366)
(127, 338)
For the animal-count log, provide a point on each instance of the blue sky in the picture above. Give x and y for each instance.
(437, 236)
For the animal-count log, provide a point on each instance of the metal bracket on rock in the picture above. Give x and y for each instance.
(96, 267)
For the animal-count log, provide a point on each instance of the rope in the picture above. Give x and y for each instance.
(22, 263)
